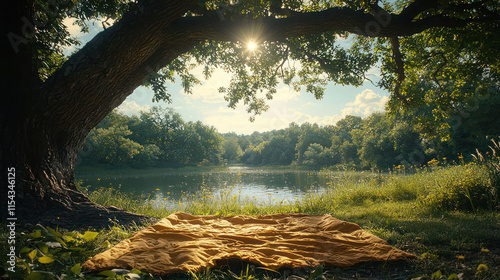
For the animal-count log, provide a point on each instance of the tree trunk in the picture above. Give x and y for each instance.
(45, 124)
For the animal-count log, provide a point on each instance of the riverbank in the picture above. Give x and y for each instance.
(447, 216)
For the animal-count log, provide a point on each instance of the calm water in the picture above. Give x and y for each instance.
(168, 188)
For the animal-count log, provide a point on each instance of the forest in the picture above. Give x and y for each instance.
(161, 138)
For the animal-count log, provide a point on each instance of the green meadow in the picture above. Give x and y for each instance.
(446, 215)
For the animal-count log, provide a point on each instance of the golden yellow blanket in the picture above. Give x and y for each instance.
(183, 242)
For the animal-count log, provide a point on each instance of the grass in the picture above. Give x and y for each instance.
(448, 216)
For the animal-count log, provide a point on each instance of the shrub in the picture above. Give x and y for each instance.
(460, 188)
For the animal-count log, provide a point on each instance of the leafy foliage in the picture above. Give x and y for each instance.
(159, 137)
(449, 75)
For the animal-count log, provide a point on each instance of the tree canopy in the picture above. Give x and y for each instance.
(429, 52)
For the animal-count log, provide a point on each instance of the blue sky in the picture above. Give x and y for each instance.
(208, 105)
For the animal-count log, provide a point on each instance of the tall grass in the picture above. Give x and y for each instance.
(491, 161)
(463, 188)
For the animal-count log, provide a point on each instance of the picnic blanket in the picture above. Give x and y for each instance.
(183, 242)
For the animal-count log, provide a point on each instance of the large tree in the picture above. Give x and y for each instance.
(50, 102)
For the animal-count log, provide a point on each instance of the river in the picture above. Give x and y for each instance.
(248, 183)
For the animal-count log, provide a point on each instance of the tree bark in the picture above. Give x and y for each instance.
(43, 125)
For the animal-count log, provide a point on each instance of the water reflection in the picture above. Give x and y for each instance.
(257, 185)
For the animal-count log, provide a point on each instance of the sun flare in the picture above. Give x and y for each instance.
(252, 46)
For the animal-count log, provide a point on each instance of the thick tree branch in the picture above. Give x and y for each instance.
(417, 7)
(400, 70)
(381, 24)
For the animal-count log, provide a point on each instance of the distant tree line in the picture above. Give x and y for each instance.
(375, 142)
(160, 137)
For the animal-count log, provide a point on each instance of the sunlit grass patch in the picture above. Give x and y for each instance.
(130, 202)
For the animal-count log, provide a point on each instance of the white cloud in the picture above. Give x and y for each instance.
(366, 103)
(280, 115)
(132, 108)
(73, 28)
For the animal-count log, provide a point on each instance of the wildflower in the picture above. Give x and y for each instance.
(482, 267)
(460, 257)
(485, 250)
(157, 189)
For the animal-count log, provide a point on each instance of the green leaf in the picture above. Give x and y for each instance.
(68, 238)
(453, 276)
(54, 233)
(36, 234)
(107, 273)
(136, 271)
(43, 247)
(436, 275)
(24, 250)
(60, 240)
(76, 269)
(89, 235)
(76, 249)
(45, 259)
(32, 254)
